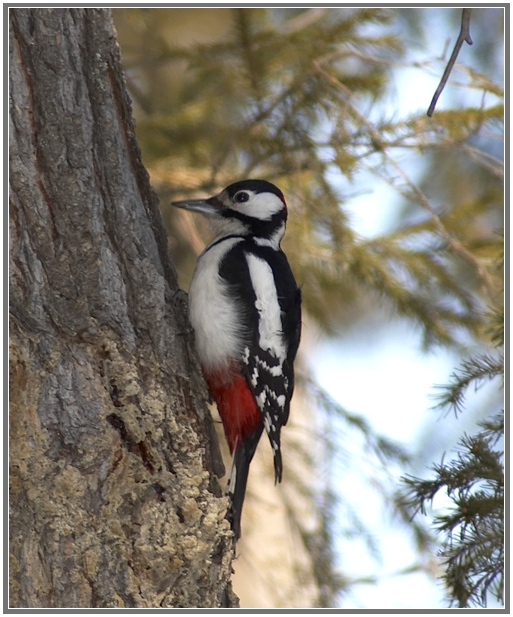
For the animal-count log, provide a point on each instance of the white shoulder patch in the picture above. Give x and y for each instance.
(267, 305)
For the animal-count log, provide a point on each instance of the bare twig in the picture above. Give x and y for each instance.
(463, 37)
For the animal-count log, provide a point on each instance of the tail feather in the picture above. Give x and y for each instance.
(237, 482)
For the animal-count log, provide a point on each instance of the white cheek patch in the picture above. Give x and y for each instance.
(259, 205)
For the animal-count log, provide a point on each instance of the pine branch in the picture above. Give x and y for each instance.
(291, 99)
(476, 370)
(473, 528)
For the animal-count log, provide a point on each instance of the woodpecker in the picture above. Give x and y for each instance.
(245, 309)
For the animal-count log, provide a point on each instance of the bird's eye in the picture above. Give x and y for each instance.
(241, 197)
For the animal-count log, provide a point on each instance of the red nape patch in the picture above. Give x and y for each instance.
(236, 405)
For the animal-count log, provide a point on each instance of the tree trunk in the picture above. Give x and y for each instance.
(114, 499)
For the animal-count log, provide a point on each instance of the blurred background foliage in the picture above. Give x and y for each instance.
(315, 100)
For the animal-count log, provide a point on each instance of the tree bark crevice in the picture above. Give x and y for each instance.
(114, 498)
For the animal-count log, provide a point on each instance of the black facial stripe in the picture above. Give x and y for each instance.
(223, 239)
(258, 227)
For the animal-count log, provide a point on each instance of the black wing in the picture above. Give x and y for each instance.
(268, 368)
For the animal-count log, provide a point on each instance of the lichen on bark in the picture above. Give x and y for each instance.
(114, 499)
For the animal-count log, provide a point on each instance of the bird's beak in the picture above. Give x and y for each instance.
(210, 207)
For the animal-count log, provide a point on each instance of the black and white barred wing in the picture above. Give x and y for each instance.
(268, 370)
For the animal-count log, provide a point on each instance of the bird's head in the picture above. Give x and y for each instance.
(249, 207)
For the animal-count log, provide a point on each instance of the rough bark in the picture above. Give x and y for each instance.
(114, 500)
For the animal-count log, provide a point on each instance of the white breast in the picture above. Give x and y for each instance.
(214, 317)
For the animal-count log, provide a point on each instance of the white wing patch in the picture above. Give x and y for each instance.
(254, 377)
(266, 360)
(267, 305)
